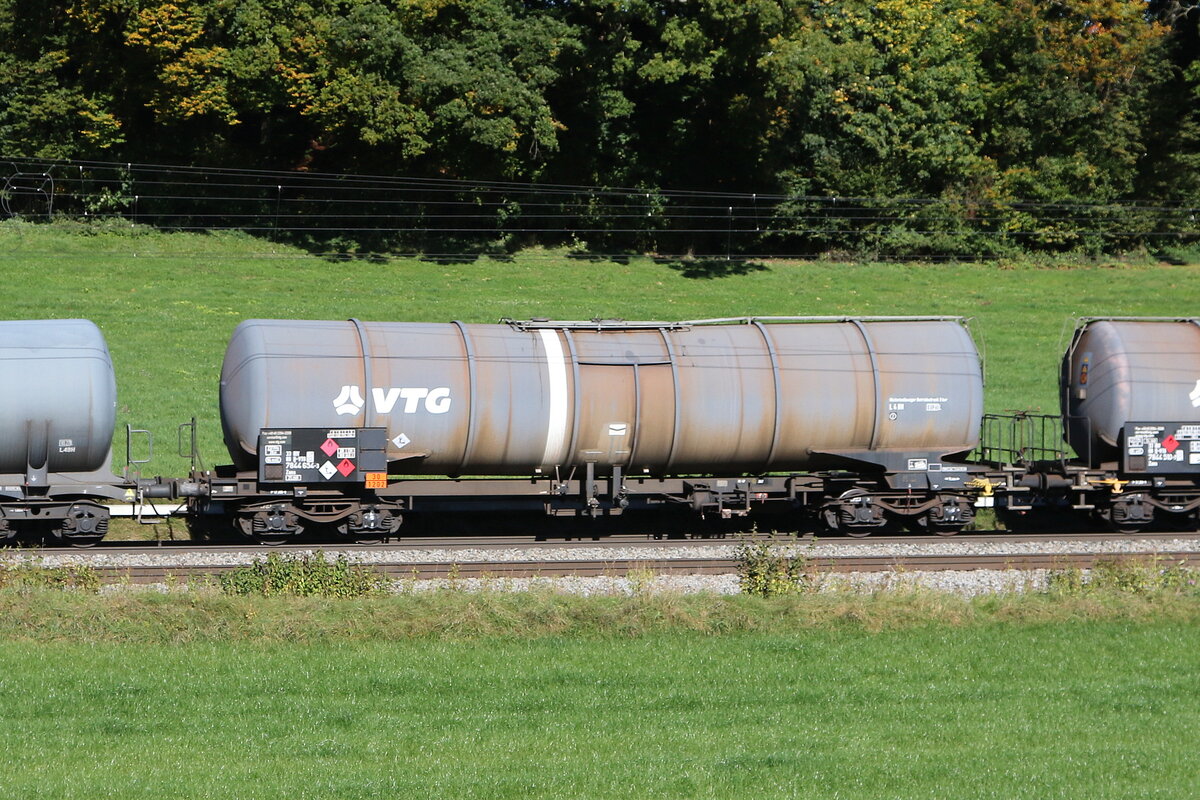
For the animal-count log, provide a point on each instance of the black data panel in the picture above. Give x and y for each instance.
(1161, 448)
(313, 456)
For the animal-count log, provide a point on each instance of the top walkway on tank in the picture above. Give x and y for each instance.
(1083, 320)
(620, 324)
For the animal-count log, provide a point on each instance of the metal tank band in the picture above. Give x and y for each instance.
(472, 383)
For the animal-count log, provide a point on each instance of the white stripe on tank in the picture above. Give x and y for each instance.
(556, 431)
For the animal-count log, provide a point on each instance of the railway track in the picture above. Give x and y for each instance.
(613, 541)
(524, 556)
(668, 566)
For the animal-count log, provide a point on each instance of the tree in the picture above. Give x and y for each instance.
(877, 98)
(444, 86)
(1069, 86)
(58, 97)
(668, 93)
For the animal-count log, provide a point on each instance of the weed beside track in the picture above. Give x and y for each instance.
(44, 615)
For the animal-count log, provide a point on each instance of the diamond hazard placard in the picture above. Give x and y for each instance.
(1161, 448)
(321, 455)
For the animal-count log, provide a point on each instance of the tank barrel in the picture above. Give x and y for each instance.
(649, 398)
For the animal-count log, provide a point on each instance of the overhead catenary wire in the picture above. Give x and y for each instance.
(397, 215)
(268, 179)
(274, 191)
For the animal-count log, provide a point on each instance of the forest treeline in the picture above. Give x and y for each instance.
(972, 103)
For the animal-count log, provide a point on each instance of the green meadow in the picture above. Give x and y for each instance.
(1087, 710)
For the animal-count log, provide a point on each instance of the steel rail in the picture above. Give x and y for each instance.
(140, 574)
(643, 540)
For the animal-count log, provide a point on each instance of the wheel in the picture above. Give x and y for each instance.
(83, 542)
(1117, 525)
(1127, 515)
(948, 518)
(271, 527)
(370, 526)
(858, 533)
(84, 525)
(924, 525)
(853, 514)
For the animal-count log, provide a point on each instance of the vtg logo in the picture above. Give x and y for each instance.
(436, 400)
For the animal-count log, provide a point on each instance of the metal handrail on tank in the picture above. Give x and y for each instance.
(884, 318)
(1081, 320)
(1022, 439)
(538, 323)
(597, 324)
(131, 463)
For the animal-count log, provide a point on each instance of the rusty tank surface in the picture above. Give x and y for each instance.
(524, 398)
(1122, 370)
(58, 398)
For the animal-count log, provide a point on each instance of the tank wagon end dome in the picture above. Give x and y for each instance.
(60, 411)
(1128, 369)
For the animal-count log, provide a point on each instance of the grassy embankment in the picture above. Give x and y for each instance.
(168, 303)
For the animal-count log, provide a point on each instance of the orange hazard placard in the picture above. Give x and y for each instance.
(376, 480)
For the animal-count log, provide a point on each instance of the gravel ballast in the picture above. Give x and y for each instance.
(960, 582)
(177, 556)
(965, 583)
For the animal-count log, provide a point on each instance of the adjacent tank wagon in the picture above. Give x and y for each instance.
(57, 415)
(1129, 449)
(1131, 409)
(1119, 372)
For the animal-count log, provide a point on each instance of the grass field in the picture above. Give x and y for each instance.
(168, 303)
(1104, 710)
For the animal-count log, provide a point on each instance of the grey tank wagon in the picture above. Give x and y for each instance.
(1125, 448)
(58, 401)
(856, 421)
